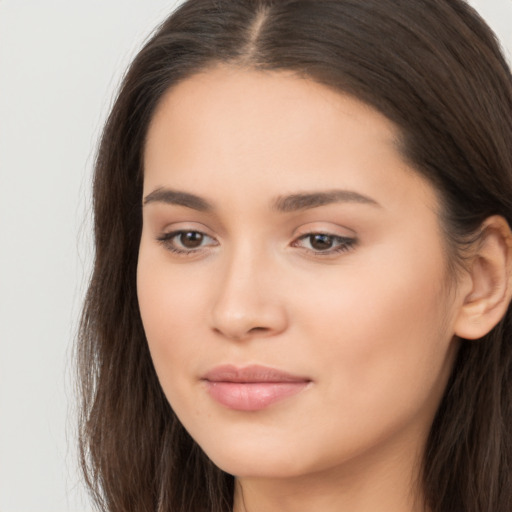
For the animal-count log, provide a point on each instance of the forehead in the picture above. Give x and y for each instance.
(272, 133)
(273, 105)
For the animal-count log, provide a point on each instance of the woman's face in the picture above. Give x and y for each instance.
(292, 276)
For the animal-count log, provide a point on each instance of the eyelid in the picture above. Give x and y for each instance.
(344, 238)
(341, 244)
(166, 239)
(327, 228)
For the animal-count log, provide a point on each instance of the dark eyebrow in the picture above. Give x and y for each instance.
(308, 200)
(168, 196)
(285, 204)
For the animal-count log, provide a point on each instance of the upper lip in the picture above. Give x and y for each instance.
(250, 374)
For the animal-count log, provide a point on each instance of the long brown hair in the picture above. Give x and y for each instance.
(431, 66)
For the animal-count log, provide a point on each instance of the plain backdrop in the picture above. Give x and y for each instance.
(60, 63)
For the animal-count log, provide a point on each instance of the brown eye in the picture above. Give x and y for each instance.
(191, 239)
(320, 242)
(186, 242)
(323, 244)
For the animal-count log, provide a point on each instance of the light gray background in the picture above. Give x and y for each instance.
(60, 63)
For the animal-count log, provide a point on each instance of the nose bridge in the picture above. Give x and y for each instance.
(245, 301)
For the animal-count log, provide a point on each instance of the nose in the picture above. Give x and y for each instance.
(247, 301)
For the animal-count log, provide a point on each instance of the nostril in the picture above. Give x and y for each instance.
(243, 333)
(258, 329)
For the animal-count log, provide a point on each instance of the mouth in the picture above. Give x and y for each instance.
(251, 388)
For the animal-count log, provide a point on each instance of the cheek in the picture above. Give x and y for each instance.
(170, 305)
(383, 335)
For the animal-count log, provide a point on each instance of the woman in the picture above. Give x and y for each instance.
(300, 298)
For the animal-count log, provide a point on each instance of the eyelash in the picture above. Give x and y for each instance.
(167, 240)
(344, 244)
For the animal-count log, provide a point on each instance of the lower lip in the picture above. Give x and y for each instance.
(252, 396)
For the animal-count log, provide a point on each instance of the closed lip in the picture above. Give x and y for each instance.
(251, 374)
(252, 388)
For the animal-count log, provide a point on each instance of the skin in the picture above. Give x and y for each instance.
(372, 326)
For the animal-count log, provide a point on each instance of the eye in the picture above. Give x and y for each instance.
(186, 241)
(324, 243)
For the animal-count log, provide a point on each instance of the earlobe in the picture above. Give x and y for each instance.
(490, 271)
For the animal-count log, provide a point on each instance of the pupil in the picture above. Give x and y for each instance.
(321, 242)
(191, 240)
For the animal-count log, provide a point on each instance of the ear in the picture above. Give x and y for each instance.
(490, 273)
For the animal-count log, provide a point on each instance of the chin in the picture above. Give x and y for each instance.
(246, 457)
(261, 466)
(257, 458)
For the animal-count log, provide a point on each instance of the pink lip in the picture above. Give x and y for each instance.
(251, 388)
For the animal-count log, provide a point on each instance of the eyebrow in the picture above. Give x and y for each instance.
(284, 204)
(307, 200)
(167, 196)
